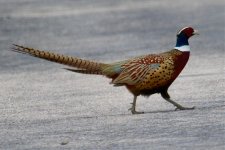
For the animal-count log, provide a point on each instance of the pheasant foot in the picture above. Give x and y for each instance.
(133, 111)
(184, 108)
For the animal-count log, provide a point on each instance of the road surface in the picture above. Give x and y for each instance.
(43, 106)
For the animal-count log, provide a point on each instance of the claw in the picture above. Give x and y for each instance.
(185, 108)
(133, 111)
(136, 112)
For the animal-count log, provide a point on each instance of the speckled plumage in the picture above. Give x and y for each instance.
(143, 75)
(148, 72)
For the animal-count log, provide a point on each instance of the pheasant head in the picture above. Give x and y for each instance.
(182, 38)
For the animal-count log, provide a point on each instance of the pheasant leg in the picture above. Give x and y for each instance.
(179, 107)
(133, 109)
(166, 96)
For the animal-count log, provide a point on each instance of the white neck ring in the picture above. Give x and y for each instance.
(184, 48)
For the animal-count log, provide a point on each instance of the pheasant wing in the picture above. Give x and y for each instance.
(136, 70)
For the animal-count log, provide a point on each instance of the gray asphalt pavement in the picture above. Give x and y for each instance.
(43, 106)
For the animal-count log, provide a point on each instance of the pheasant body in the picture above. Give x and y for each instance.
(144, 75)
(159, 74)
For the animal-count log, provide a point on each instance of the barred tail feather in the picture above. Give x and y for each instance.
(86, 66)
(84, 71)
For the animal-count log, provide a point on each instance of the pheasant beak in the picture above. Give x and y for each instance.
(195, 32)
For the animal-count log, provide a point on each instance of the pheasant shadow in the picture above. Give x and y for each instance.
(149, 112)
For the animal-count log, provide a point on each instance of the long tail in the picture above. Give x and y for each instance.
(84, 66)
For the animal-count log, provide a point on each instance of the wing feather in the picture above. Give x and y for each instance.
(136, 70)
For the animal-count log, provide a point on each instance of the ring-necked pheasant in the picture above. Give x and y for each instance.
(143, 75)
